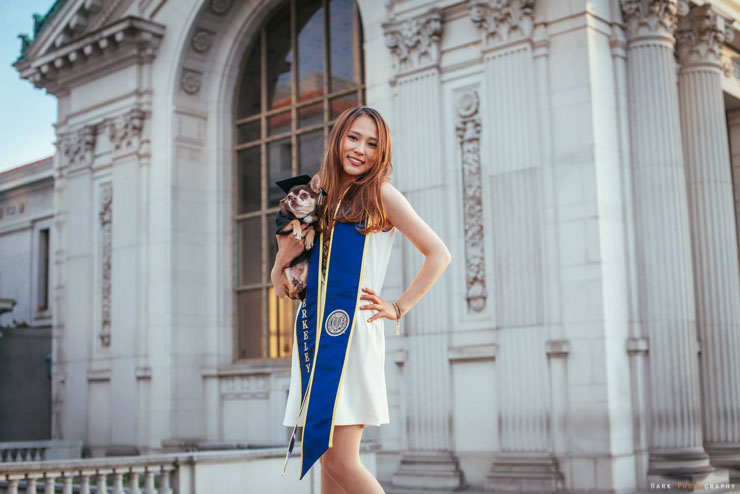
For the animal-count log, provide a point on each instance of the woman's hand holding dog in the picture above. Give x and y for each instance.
(290, 247)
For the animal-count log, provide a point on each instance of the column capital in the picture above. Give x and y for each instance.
(648, 18)
(700, 36)
(125, 131)
(415, 42)
(502, 21)
(77, 148)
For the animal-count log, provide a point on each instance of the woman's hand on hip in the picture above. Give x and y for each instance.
(385, 309)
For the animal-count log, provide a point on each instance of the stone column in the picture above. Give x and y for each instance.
(427, 462)
(733, 127)
(70, 337)
(663, 243)
(122, 267)
(516, 169)
(713, 232)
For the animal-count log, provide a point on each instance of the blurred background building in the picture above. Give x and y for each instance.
(577, 157)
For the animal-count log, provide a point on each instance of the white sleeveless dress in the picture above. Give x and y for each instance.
(362, 397)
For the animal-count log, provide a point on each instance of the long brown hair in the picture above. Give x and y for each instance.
(362, 201)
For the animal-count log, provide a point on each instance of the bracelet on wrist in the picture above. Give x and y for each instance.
(398, 318)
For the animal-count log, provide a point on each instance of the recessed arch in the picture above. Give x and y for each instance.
(215, 49)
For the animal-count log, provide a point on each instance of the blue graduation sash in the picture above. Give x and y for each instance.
(324, 346)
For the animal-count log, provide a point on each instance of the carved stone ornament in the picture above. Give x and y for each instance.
(220, 7)
(700, 36)
(125, 131)
(503, 20)
(415, 42)
(468, 133)
(78, 148)
(201, 41)
(730, 62)
(190, 82)
(106, 223)
(650, 17)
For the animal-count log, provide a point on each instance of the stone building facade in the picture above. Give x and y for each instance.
(26, 249)
(577, 157)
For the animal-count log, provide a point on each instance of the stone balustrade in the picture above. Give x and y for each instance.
(203, 472)
(39, 451)
(134, 475)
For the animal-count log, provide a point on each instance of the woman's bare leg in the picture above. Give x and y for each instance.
(342, 462)
(328, 484)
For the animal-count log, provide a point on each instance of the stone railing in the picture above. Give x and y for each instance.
(205, 472)
(134, 475)
(39, 451)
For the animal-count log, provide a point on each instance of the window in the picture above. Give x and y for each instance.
(43, 293)
(303, 69)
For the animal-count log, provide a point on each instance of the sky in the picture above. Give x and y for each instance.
(27, 114)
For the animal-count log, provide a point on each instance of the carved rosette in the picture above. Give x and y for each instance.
(415, 42)
(202, 40)
(190, 81)
(468, 133)
(78, 148)
(125, 131)
(700, 36)
(502, 20)
(106, 228)
(221, 7)
(650, 17)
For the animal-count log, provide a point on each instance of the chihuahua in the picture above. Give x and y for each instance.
(301, 205)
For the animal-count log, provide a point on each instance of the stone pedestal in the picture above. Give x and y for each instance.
(427, 471)
(524, 473)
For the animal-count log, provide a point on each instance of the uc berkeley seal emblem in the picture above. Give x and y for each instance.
(337, 322)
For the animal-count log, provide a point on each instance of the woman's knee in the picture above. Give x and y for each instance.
(338, 465)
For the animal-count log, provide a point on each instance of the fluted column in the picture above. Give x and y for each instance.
(713, 232)
(427, 461)
(663, 241)
(515, 169)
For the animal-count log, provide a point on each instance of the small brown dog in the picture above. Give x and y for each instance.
(299, 206)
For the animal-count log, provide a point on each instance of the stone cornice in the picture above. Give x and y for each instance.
(502, 21)
(650, 17)
(700, 36)
(415, 42)
(128, 41)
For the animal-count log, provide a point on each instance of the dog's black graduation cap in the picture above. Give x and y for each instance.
(289, 183)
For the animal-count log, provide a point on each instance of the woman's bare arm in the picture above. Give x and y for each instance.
(437, 257)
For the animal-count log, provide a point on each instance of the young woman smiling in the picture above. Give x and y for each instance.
(356, 177)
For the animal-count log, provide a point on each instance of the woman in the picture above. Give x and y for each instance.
(355, 175)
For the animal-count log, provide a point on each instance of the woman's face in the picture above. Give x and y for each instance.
(359, 147)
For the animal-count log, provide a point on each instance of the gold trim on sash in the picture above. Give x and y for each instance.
(349, 341)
